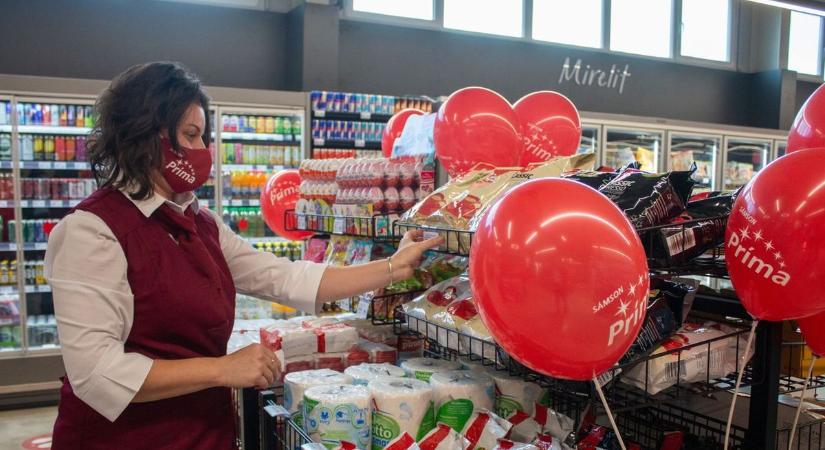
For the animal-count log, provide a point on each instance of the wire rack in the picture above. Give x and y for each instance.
(378, 226)
(382, 307)
(278, 430)
(692, 247)
(456, 241)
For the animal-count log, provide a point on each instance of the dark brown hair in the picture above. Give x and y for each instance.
(124, 145)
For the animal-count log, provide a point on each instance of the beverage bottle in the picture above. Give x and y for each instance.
(48, 148)
(226, 183)
(54, 113)
(38, 147)
(89, 117)
(5, 147)
(37, 114)
(26, 148)
(243, 126)
(59, 148)
(39, 232)
(64, 118)
(287, 124)
(13, 272)
(70, 115)
(287, 157)
(12, 231)
(279, 125)
(47, 115)
(80, 150)
(4, 272)
(4, 119)
(39, 272)
(296, 156)
(71, 148)
(270, 124)
(262, 155)
(80, 117)
(21, 115)
(252, 123)
(297, 127)
(261, 128)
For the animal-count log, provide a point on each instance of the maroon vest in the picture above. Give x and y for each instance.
(178, 313)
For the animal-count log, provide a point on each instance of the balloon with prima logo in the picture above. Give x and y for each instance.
(808, 129)
(560, 278)
(773, 244)
(813, 330)
(280, 194)
(394, 129)
(550, 126)
(476, 125)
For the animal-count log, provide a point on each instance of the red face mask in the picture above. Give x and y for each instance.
(185, 172)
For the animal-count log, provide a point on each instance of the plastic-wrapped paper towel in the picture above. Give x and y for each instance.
(514, 394)
(400, 405)
(336, 413)
(366, 372)
(296, 383)
(424, 368)
(458, 393)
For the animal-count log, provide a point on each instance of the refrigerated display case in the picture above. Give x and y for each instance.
(744, 157)
(624, 146)
(11, 338)
(780, 148)
(685, 149)
(590, 140)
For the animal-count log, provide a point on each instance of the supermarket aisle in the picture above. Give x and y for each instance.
(20, 425)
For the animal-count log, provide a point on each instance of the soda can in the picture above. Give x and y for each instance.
(233, 123)
(252, 123)
(314, 99)
(12, 230)
(89, 117)
(296, 155)
(28, 230)
(39, 231)
(242, 125)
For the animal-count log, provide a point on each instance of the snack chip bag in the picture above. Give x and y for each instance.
(443, 437)
(484, 429)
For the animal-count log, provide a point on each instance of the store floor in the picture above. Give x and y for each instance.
(22, 424)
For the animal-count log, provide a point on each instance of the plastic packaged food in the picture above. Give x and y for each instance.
(649, 199)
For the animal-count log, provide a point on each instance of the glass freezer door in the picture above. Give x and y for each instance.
(781, 148)
(590, 140)
(624, 146)
(743, 159)
(686, 149)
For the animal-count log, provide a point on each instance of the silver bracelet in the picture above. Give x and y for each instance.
(389, 263)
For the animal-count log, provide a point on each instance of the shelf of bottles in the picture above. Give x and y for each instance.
(743, 159)
(349, 125)
(253, 145)
(10, 317)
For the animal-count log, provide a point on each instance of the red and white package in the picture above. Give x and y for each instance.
(506, 444)
(334, 361)
(484, 429)
(458, 312)
(336, 338)
(374, 333)
(525, 428)
(292, 341)
(556, 424)
(356, 355)
(443, 437)
(295, 363)
(379, 353)
(548, 442)
(403, 442)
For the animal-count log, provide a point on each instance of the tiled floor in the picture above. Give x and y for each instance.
(17, 426)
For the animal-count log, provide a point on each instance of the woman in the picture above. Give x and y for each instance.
(144, 280)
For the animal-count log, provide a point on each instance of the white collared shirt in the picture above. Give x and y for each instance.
(86, 268)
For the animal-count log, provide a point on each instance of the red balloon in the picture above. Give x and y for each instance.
(773, 243)
(476, 125)
(813, 330)
(394, 128)
(280, 194)
(808, 129)
(550, 126)
(572, 295)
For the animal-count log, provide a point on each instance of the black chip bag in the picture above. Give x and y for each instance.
(660, 323)
(592, 178)
(650, 199)
(700, 228)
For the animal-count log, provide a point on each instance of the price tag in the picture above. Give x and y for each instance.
(338, 225)
(302, 222)
(6, 289)
(38, 203)
(60, 165)
(44, 165)
(320, 113)
(236, 202)
(255, 202)
(363, 306)
(40, 246)
(360, 143)
(4, 204)
(366, 115)
(318, 142)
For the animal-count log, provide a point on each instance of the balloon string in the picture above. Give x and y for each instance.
(801, 400)
(609, 414)
(739, 382)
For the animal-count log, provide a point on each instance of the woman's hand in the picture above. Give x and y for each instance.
(254, 365)
(410, 252)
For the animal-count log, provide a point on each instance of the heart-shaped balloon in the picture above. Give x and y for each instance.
(550, 126)
(476, 125)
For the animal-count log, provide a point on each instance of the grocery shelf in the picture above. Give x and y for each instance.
(456, 241)
(5, 128)
(6, 165)
(30, 289)
(341, 144)
(260, 167)
(285, 138)
(658, 239)
(28, 246)
(41, 203)
(351, 116)
(46, 129)
(55, 165)
(359, 226)
(242, 202)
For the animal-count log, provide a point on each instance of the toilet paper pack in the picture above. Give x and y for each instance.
(514, 394)
(458, 394)
(424, 368)
(366, 372)
(336, 413)
(400, 405)
(296, 383)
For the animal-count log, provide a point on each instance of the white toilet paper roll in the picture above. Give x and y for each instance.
(296, 383)
(514, 394)
(424, 368)
(400, 405)
(458, 393)
(338, 412)
(366, 372)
